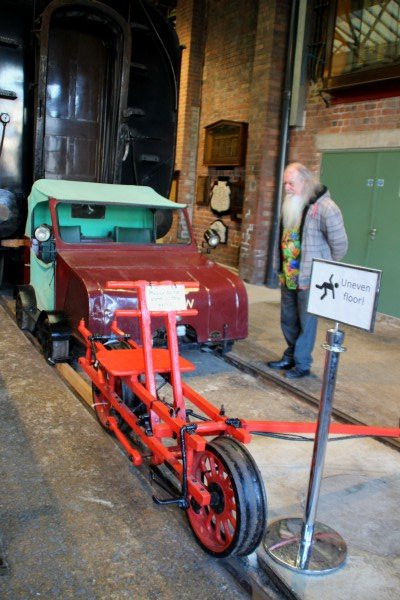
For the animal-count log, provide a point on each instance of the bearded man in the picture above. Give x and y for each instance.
(312, 227)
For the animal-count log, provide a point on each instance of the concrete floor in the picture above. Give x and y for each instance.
(359, 494)
(368, 375)
(361, 477)
(76, 520)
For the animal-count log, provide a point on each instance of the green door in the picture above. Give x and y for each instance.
(366, 187)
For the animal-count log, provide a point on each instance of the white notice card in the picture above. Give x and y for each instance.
(162, 298)
(344, 293)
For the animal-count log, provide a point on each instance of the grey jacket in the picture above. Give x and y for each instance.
(323, 234)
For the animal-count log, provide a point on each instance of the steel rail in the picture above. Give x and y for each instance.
(262, 375)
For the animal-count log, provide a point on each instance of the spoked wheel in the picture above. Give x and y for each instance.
(102, 408)
(235, 520)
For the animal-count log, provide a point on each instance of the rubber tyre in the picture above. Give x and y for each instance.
(53, 350)
(235, 521)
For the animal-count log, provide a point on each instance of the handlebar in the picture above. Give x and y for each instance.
(134, 285)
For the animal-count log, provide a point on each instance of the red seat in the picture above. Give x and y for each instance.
(131, 362)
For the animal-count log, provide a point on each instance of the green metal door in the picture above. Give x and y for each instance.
(383, 246)
(366, 187)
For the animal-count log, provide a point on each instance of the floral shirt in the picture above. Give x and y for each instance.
(290, 245)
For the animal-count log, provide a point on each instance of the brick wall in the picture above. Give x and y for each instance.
(190, 27)
(263, 142)
(233, 69)
(226, 86)
(244, 58)
(344, 125)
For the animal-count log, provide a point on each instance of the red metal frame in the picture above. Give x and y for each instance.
(141, 362)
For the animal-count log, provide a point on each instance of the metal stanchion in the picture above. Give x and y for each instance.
(304, 544)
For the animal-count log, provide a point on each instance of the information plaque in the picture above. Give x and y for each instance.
(344, 293)
(161, 298)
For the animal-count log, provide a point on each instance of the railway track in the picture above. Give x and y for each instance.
(257, 582)
(254, 576)
(242, 365)
(266, 377)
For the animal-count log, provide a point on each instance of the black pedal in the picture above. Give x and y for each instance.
(144, 422)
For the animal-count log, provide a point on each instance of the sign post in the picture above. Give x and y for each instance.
(348, 294)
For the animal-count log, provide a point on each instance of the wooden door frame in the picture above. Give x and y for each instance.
(119, 85)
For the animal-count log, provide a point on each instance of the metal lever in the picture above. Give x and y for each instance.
(182, 501)
(372, 233)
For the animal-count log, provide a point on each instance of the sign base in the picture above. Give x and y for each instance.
(327, 553)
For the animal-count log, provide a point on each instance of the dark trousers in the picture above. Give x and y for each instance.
(298, 327)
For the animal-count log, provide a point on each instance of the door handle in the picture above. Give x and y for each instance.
(372, 233)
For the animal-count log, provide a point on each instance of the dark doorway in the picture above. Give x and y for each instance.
(82, 90)
(76, 103)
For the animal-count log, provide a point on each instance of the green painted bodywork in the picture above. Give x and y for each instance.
(42, 280)
(89, 193)
(115, 215)
(125, 206)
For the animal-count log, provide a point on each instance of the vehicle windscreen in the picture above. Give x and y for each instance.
(121, 224)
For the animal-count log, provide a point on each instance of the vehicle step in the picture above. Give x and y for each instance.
(152, 158)
(7, 41)
(139, 66)
(8, 94)
(133, 112)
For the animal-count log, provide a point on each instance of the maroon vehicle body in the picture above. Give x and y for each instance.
(77, 271)
(81, 290)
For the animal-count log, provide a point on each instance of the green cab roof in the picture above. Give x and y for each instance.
(104, 193)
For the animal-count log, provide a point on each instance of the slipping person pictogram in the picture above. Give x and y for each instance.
(327, 285)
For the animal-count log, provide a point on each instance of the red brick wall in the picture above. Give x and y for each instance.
(190, 27)
(232, 68)
(241, 80)
(341, 118)
(264, 129)
(226, 90)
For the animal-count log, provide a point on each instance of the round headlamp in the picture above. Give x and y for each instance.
(212, 238)
(42, 233)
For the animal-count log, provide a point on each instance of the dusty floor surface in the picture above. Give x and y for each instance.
(76, 520)
(359, 494)
(368, 375)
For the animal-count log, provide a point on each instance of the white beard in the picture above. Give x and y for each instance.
(292, 209)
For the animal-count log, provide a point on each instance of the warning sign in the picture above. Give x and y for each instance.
(344, 293)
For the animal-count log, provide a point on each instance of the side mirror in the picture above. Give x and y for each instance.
(211, 238)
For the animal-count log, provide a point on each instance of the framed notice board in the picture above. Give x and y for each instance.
(225, 144)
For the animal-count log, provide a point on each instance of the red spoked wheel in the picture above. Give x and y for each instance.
(235, 520)
(102, 407)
